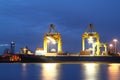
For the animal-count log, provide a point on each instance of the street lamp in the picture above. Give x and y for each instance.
(111, 48)
(111, 45)
(115, 42)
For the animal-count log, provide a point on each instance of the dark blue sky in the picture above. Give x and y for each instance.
(26, 21)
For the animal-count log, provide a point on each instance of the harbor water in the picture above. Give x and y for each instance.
(60, 71)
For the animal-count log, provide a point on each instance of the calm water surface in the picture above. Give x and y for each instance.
(56, 71)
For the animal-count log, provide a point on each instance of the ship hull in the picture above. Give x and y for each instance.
(62, 59)
(57, 59)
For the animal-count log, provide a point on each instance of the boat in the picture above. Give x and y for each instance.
(60, 59)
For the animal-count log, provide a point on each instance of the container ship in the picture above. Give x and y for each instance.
(20, 58)
(93, 50)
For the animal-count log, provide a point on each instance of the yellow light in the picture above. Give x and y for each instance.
(24, 49)
(91, 71)
(113, 71)
(48, 41)
(51, 39)
(50, 71)
(54, 42)
(90, 39)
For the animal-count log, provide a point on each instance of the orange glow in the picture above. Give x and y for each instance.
(113, 71)
(15, 58)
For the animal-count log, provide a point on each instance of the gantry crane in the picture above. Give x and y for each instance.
(93, 38)
(54, 37)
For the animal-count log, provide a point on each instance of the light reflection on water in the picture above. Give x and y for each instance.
(114, 71)
(46, 71)
(57, 71)
(50, 71)
(91, 71)
(24, 70)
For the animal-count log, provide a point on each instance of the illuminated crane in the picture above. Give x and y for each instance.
(93, 39)
(52, 37)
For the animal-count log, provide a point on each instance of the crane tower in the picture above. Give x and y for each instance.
(51, 38)
(93, 39)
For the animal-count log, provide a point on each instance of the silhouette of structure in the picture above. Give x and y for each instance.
(93, 39)
(12, 47)
(52, 37)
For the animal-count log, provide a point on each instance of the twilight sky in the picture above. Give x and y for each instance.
(26, 21)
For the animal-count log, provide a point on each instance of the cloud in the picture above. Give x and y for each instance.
(26, 21)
